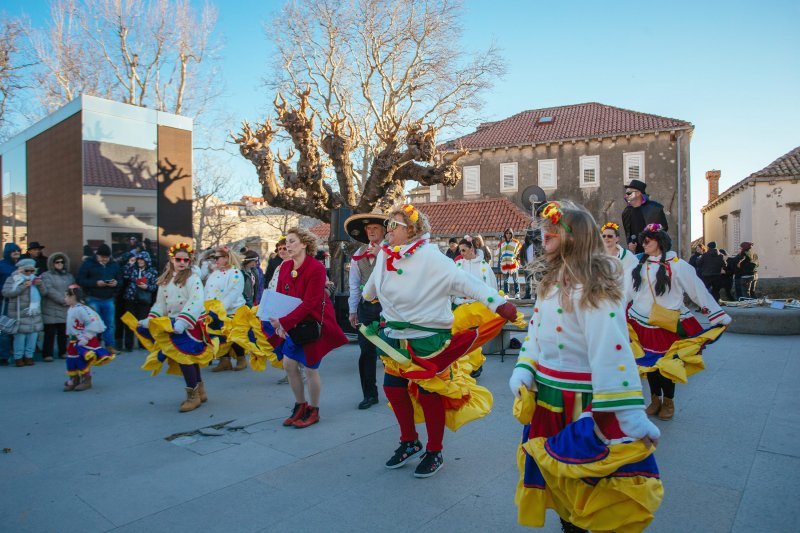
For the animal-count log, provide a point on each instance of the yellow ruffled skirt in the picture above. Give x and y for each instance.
(248, 332)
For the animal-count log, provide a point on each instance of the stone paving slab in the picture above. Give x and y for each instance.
(101, 460)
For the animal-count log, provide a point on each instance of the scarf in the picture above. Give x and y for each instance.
(35, 307)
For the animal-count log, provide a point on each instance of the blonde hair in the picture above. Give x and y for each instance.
(307, 238)
(181, 277)
(415, 228)
(233, 257)
(579, 260)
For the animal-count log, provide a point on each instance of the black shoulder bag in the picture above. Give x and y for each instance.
(308, 331)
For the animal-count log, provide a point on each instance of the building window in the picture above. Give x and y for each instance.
(547, 174)
(472, 179)
(724, 243)
(590, 171)
(508, 177)
(794, 229)
(633, 163)
(736, 237)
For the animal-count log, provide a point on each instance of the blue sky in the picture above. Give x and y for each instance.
(731, 68)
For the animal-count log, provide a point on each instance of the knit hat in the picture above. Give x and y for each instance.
(712, 245)
(746, 245)
(103, 250)
(22, 264)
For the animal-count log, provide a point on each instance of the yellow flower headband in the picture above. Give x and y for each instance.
(553, 212)
(180, 247)
(611, 225)
(411, 211)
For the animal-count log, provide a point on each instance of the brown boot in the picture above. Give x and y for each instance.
(192, 400)
(667, 409)
(71, 383)
(241, 363)
(224, 364)
(202, 389)
(655, 405)
(85, 384)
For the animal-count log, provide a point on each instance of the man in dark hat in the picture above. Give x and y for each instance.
(368, 229)
(101, 280)
(35, 252)
(640, 212)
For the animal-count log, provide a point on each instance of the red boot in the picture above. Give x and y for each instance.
(310, 417)
(298, 412)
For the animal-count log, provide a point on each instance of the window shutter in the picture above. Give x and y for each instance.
(589, 170)
(508, 177)
(472, 180)
(634, 167)
(736, 232)
(796, 229)
(547, 173)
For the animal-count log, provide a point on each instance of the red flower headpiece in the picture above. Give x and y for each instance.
(180, 247)
(553, 212)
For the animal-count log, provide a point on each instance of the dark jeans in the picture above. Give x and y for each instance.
(140, 311)
(726, 284)
(367, 361)
(105, 308)
(712, 282)
(54, 333)
(745, 286)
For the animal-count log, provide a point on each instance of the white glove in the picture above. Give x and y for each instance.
(144, 322)
(83, 339)
(725, 320)
(520, 377)
(180, 326)
(634, 423)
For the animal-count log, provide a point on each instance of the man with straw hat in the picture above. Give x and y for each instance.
(369, 229)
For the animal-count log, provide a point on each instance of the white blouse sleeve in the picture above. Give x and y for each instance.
(193, 307)
(92, 323)
(691, 284)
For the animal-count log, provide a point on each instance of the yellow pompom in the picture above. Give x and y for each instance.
(396, 248)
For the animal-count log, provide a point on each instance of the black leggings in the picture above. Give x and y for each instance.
(659, 385)
(191, 375)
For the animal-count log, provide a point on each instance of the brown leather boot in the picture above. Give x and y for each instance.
(192, 400)
(202, 389)
(667, 409)
(241, 363)
(71, 383)
(85, 384)
(655, 405)
(224, 364)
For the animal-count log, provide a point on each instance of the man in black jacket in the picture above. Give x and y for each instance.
(640, 212)
(36, 252)
(710, 266)
(101, 279)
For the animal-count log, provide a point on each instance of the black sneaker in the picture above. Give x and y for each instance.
(366, 403)
(431, 463)
(407, 451)
(477, 372)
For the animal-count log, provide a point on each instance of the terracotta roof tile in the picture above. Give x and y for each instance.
(118, 166)
(488, 216)
(786, 165)
(580, 121)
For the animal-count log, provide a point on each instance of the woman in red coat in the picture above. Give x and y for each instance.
(304, 277)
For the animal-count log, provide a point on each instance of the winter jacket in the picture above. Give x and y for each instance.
(747, 263)
(635, 219)
(15, 292)
(711, 263)
(8, 265)
(54, 285)
(131, 273)
(92, 271)
(253, 285)
(41, 262)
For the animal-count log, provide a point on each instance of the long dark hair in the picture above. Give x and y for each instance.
(663, 281)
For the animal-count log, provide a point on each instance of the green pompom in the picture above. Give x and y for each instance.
(399, 271)
(490, 299)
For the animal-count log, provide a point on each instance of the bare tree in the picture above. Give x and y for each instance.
(12, 65)
(378, 78)
(212, 188)
(142, 52)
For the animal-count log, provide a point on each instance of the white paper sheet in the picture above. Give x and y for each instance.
(276, 305)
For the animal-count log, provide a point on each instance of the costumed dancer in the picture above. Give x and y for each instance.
(173, 330)
(508, 261)
(586, 447)
(666, 338)
(224, 292)
(610, 234)
(370, 229)
(309, 332)
(414, 283)
(84, 349)
(468, 313)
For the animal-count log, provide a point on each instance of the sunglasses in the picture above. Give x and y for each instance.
(629, 193)
(606, 236)
(391, 225)
(59, 262)
(181, 259)
(28, 271)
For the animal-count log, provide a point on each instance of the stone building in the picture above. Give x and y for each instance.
(584, 153)
(763, 208)
(97, 171)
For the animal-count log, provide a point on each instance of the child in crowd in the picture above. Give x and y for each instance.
(84, 349)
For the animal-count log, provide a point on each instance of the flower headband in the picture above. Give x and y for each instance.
(611, 225)
(180, 247)
(653, 227)
(553, 211)
(411, 211)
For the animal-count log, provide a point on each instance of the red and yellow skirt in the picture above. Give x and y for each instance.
(80, 359)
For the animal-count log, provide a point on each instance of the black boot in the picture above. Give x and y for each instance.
(569, 527)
